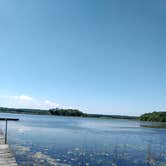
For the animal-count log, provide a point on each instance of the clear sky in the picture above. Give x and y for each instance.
(101, 56)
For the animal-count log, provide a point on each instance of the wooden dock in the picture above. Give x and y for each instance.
(6, 156)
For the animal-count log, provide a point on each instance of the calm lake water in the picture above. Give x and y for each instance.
(48, 141)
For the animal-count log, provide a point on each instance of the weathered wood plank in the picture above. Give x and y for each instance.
(6, 156)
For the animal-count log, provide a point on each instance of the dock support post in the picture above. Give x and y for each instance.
(6, 120)
(6, 132)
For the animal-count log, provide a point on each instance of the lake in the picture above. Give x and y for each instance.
(51, 140)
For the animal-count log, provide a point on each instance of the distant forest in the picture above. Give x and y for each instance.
(61, 112)
(24, 111)
(154, 117)
(66, 112)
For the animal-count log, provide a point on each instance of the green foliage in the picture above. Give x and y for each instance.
(62, 112)
(67, 112)
(154, 117)
(24, 111)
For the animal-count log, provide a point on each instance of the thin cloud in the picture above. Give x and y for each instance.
(25, 101)
(51, 104)
(26, 98)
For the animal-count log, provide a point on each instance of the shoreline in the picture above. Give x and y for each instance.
(91, 115)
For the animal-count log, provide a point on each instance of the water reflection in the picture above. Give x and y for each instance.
(70, 141)
(153, 124)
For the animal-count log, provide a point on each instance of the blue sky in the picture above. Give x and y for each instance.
(104, 56)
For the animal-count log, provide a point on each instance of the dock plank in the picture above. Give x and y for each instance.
(6, 156)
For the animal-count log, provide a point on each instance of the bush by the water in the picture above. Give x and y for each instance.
(154, 117)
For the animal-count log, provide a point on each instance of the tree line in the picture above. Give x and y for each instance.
(154, 117)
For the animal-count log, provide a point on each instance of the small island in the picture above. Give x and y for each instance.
(154, 117)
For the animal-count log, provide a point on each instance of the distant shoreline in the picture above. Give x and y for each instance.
(149, 117)
(154, 117)
(62, 112)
